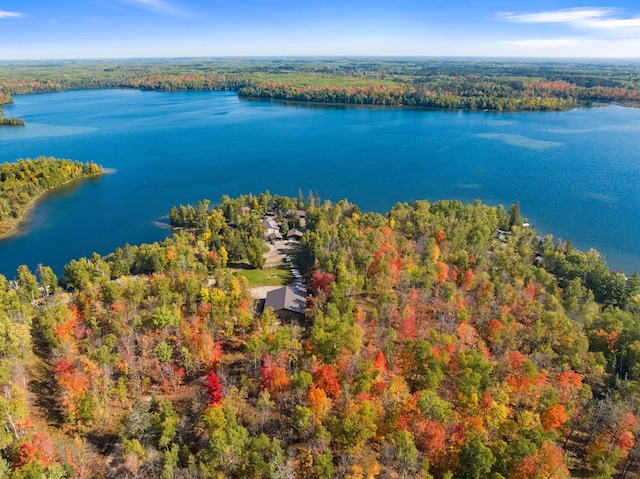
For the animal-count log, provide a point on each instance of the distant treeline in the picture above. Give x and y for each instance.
(472, 85)
(24, 181)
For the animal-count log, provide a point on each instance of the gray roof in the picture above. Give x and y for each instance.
(294, 232)
(292, 298)
(270, 224)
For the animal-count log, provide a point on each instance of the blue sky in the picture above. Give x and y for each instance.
(42, 29)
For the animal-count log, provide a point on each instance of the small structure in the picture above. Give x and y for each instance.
(300, 214)
(268, 224)
(271, 230)
(295, 234)
(274, 236)
(289, 302)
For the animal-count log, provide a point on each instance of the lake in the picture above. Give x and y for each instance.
(576, 174)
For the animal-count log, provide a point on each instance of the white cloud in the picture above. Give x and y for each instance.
(5, 14)
(594, 19)
(595, 32)
(545, 42)
(158, 6)
(584, 47)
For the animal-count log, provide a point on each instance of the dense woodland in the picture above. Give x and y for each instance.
(440, 341)
(25, 180)
(434, 83)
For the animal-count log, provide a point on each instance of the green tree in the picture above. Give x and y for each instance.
(48, 279)
(476, 459)
(28, 288)
(254, 252)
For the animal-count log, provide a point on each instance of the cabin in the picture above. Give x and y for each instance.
(301, 214)
(289, 302)
(274, 237)
(271, 230)
(295, 234)
(269, 224)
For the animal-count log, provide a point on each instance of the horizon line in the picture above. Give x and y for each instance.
(328, 57)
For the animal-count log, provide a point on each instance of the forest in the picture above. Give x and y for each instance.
(440, 340)
(22, 182)
(434, 83)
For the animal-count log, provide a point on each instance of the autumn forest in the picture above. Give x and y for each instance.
(440, 340)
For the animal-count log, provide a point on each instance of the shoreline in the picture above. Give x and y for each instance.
(14, 229)
(370, 106)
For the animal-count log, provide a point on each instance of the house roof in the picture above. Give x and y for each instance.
(269, 224)
(298, 213)
(294, 232)
(292, 298)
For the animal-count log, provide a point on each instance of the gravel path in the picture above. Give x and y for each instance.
(260, 292)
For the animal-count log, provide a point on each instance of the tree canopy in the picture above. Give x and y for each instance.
(439, 340)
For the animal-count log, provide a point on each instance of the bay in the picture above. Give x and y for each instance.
(576, 173)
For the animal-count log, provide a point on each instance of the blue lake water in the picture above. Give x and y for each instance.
(576, 174)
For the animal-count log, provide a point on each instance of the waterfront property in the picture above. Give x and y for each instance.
(574, 173)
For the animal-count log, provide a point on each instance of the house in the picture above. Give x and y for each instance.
(289, 302)
(295, 234)
(269, 224)
(274, 236)
(271, 230)
(301, 214)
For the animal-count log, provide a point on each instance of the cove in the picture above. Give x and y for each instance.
(575, 173)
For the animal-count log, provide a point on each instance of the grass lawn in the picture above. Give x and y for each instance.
(267, 277)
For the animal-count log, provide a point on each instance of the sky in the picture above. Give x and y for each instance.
(87, 29)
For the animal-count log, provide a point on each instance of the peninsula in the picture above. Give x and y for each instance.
(6, 99)
(23, 182)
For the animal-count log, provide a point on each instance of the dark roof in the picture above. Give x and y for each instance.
(292, 298)
(295, 232)
(298, 213)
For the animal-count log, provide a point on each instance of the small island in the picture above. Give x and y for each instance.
(23, 182)
(10, 121)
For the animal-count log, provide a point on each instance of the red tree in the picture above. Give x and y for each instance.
(321, 281)
(325, 378)
(214, 388)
